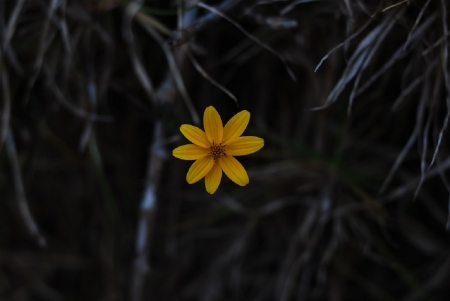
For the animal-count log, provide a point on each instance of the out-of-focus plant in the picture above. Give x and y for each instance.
(349, 196)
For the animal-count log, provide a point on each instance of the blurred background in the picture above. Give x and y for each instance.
(348, 199)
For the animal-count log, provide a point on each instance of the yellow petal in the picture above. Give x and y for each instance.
(234, 170)
(213, 125)
(190, 152)
(195, 135)
(199, 169)
(244, 145)
(212, 179)
(236, 126)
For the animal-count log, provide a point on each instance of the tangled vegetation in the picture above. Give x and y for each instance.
(348, 199)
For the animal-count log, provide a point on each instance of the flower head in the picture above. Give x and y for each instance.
(214, 149)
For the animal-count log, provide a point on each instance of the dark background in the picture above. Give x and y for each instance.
(348, 199)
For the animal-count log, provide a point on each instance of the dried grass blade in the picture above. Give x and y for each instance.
(345, 42)
(139, 69)
(434, 45)
(418, 128)
(43, 41)
(444, 54)
(13, 60)
(431, 115)
(106, 70)
(63, 28)
(326, 260)
(110, 204)
(402, 190)
(349, 8)
(398, 162)
(398, 55)
(444, 65)
(416, 23)
(357, 61)
(20, 191)
(202, 71)
(157, 154)
(7, 33)
(291, 6)
(413, 85)
(11, 27)
(147, 20)
(367, 60)
(447, 225)
(69, 106)
(248, 34)
(92, 92)
(176, 74)
(235, 51)
(394, 5)
(6, 109)
(441, 134)
(128, 15)
(141, 74)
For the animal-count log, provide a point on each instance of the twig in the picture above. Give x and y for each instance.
(173, 78)
(60, 97)
(43, 44)
(202, 71)
(6, 103)
(183, 35)
(347, 40)
(394, 5)
(148, 211)
(157, 154)
(252, 37)
(416, 23)
(127, 33)
(177, 81)
(444, 64)
(20, 191)
(9, 32)
(411, 185)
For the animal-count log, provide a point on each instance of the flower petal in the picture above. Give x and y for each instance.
(244, 145)
(190, 152)
(195, 135)
(199, 169)
(236, 126)
(213, 125)
(234, 170)
(212, 179)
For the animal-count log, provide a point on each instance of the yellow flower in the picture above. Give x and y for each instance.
(214, 148)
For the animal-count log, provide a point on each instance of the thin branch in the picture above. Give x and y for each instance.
(394, 5)
(444, 65)
(202, 71)
(254, 38)
(9, 32)
(43, 44)
(6, 109)
(148, 208)
(139, 70)
(347, 40)
(20, 191)
(411, 185)
(174, 71)
(416, 23)
(69, 106)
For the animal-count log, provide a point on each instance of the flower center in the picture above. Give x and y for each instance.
(217, 150)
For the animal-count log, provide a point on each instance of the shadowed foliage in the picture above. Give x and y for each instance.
(348, 199)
